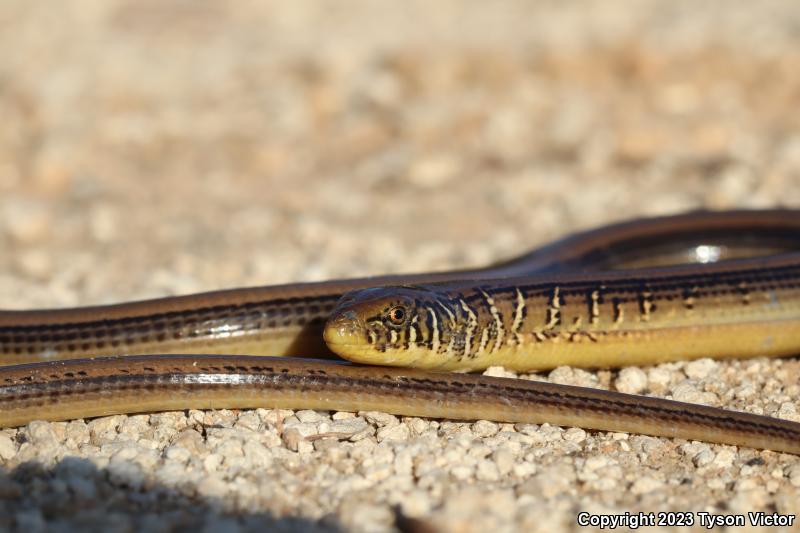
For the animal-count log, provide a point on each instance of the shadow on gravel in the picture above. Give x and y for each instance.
(75, 495)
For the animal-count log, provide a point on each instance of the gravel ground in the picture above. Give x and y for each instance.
(153, 148)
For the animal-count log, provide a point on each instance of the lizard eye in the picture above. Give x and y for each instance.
(397, 315)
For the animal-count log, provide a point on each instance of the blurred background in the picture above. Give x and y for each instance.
(154, 147)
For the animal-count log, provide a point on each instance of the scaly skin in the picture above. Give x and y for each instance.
(476, 318)
(740, 308)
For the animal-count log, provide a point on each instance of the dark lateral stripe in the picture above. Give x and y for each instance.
(42, 392)
(278, 306)
(711, 284)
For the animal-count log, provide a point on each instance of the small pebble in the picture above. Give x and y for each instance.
(485, 428)
(399, 432)
(309, 416)
(504, 460)
(659, 379)
(724, 458)
(788, 411)
(498, 372)
(381, 419)
(575, 435)
(686, 392)
(701, 368)
(7, 448)
(794, 475)
(631, 380)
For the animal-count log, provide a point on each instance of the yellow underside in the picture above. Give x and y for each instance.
(772, 338)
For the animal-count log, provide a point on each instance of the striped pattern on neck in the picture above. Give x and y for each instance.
(735, 309)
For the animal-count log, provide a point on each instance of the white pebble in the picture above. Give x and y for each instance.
(498, 372)
(7, 447)
(379, 418)
(686, 392)
(794, 475)
(309, 416)
(788, 411)
(190, 440)
(575, 435)
(565, 375)
(631, 380)
(273, 417)
(745, 391)
(393, 433)
(41, 433)
(484, 428)
(504, 460)
(704, 458)
(528, 429)
(292, 438)
(349, 426)
(418, 426)
(248, 420)
(701, 368)
(659, 379)
(103, 430)
(724, 458)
